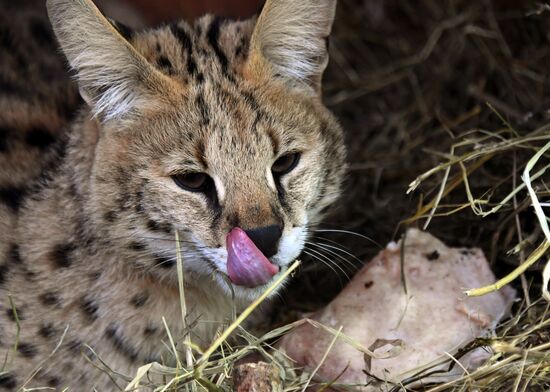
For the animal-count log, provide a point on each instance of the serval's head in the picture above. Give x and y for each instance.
(215, 130)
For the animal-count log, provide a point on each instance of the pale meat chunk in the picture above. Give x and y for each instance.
(433, 319)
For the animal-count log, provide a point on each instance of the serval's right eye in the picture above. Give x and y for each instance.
(285, 164)
(192, 182)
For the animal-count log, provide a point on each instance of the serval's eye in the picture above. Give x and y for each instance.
(192, 182)
(285, 164)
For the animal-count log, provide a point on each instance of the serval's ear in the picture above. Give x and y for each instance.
(113, 77)
(291, 36)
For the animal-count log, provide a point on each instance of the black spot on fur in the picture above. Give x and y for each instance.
(251, 100)
(51, 167)
(61, 255)
(12, 197)
(68, 109)
(27, 350)
(213, 36)
(203, 109)
(41, 33)
(4, 135)
(89, 308)
(110, 216)
(47, 331)
(185, 42)
(29, 275)
(8, 381)
(242, 48)
(17, 90)
(40, 138)
(369, 284)
(159, 227)
(137, 246)
(53, 382)
(50, 298)
(4, 269)
(164, 62)
(112, 334)
(139, 300)
(164, 262)
(14, 257)
(433, 256)
(150, 330)
(14, 254)
(11, 315)
(6, 39)
(152, 225)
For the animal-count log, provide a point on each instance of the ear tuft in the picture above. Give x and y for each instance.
(110, 72)
(292, 36)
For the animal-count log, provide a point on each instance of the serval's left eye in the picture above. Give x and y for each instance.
(192, 182)
(285, 164)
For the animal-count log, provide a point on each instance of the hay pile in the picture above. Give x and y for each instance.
(458, 90)
(455, 95)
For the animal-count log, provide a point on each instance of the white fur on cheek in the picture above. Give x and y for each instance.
(290, 246)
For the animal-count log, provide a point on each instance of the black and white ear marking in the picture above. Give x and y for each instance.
(291, 35)
(113, 77)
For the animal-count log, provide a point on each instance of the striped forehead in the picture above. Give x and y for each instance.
(211, 48)
(230, 118)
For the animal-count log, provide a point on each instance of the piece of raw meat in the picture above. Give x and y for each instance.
(431, 321)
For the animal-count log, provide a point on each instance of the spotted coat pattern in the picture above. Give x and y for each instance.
(88, 208)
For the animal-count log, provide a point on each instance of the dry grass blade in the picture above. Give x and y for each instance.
(239, 320)
(532, 259)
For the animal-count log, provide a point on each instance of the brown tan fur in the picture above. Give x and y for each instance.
(88, 208)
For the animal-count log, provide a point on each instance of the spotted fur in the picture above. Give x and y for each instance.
(88, 208)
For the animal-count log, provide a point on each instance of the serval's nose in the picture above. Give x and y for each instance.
(266, 238)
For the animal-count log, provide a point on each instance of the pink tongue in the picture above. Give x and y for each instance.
(246, 264)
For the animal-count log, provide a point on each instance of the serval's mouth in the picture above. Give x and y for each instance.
(247, 266)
